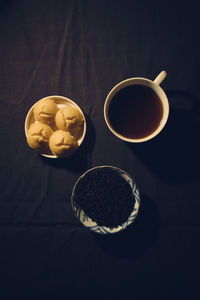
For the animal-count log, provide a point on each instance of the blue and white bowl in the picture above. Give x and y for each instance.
(92, 225)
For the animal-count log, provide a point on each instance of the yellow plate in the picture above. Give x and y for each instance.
(61, 102)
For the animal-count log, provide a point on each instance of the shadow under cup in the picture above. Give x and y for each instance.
(136, 110)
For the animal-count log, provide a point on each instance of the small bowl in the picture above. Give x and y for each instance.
(92, 225)
(61, 102)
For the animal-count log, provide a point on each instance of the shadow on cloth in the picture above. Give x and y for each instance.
(174, 155)
(79, 161)
(138, 237)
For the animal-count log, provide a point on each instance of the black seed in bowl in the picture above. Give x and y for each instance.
(105, 196)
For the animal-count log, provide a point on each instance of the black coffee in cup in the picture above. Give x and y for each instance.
(135, 111)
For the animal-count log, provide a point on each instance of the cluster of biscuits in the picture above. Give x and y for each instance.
(55, 131)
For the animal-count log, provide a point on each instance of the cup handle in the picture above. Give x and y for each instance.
(160, 77)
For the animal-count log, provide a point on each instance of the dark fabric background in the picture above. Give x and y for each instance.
(81, 49)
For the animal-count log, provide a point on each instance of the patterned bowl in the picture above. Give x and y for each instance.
(92, 225)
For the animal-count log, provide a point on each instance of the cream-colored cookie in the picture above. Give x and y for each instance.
(62, 143)
(70, 119)
(38, 136)
(45, 110)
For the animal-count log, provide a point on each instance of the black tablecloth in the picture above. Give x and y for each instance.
(80, 50)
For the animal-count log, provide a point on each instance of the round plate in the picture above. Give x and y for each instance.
(61, 102)
(89, 223)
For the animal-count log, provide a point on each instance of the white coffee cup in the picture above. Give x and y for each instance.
(155, 86)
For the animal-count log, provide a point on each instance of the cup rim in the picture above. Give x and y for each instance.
(139, 81)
